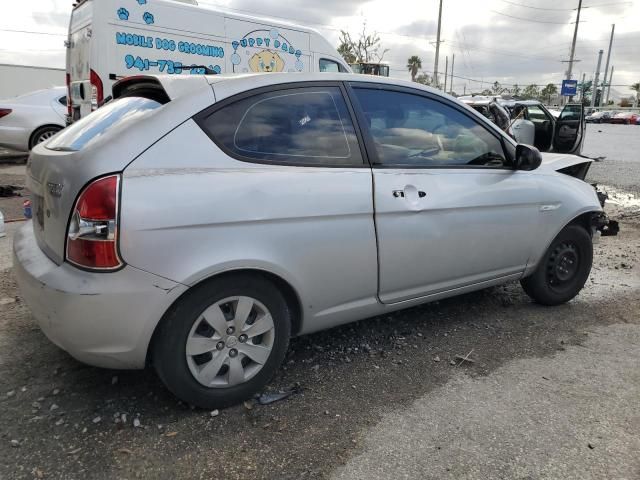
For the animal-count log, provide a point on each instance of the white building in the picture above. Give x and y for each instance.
(19, 79)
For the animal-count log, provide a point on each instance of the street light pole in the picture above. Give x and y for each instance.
(606, 65)
(446, 72)
(573, 45)
(609, 84)
(594, 93)
(435, 65)
(453, 59)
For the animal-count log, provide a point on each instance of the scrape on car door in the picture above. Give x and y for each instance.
(569, 129)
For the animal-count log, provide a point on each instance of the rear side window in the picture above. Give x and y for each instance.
(113, 114)
(306, 126)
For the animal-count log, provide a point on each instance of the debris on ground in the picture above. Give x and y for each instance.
(97, 419)
(269, 398)
(9, 191)
(136, 423)
(15, 443)
(465, 358)
(215, 413)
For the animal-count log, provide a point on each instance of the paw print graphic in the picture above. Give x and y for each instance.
(142, 2)
(148, 18)
(123, 14)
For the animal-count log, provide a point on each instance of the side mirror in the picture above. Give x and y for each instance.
(527, 157)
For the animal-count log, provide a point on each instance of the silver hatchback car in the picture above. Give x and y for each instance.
(197, 223)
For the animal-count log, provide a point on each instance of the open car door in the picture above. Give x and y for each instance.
(569, 129)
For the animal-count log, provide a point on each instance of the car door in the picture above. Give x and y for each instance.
(292, 193)
(449, 209)
(568, 135)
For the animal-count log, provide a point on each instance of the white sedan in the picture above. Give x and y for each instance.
(30, 119)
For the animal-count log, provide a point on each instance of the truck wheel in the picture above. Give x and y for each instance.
(223, 341)
(564, 268)
(42, 134)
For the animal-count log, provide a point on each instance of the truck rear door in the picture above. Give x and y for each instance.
(81, 91)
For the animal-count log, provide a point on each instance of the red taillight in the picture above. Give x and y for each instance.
(69, 95)
(4, 112)
(92, 239)
(97, 90)
(98, 200)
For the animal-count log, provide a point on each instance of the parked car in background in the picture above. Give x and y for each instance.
(30, 119)
(532, 123)
(638, 120)
(314, 200)
(599, 117)
(627, 118)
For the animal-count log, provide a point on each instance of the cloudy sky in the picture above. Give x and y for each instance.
(511, 41)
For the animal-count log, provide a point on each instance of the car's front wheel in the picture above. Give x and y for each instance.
(564, 268)
(223, 341)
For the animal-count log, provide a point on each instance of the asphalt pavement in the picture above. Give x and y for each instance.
(620, 147)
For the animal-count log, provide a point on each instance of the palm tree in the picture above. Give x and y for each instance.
(636, 88)
(413, 65)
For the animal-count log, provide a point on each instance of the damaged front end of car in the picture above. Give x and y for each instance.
(601, 224)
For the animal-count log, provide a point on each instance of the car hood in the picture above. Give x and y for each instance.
(558, 161)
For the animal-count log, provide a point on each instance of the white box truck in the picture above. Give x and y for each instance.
(111, 39)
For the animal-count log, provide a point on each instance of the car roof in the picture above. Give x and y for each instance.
(528, 102)
(227, 85)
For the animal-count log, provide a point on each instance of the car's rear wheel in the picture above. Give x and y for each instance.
(564, 268)
(223, 341)
(42, 134)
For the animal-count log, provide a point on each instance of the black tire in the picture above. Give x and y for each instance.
(564, 268)
(39, 134)
(169, 353)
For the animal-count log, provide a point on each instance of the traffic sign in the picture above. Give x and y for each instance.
(569, 88)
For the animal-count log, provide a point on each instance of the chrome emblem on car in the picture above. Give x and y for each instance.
(55, 189)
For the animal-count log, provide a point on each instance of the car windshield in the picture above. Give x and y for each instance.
(88, 130)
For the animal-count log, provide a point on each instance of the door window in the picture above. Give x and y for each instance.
(412, 130)
(307, 126)
(536, 114)
(327, 65)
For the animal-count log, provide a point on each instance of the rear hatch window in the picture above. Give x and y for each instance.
(90, 128)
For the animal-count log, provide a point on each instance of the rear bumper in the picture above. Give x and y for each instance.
(103, 319)
(14, 138)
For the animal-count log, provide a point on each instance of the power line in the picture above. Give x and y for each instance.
(504, 52)
(528, 19)
(32, 32)
(564, 9)
(537, 8)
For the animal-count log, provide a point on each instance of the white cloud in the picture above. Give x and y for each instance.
(488, 45)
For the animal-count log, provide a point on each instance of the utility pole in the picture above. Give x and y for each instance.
(606, 65)
(435, 65)
(446, 72)
(594, 92)
(609, 84)
(583, 80)
(573, 45)
(453, 59)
